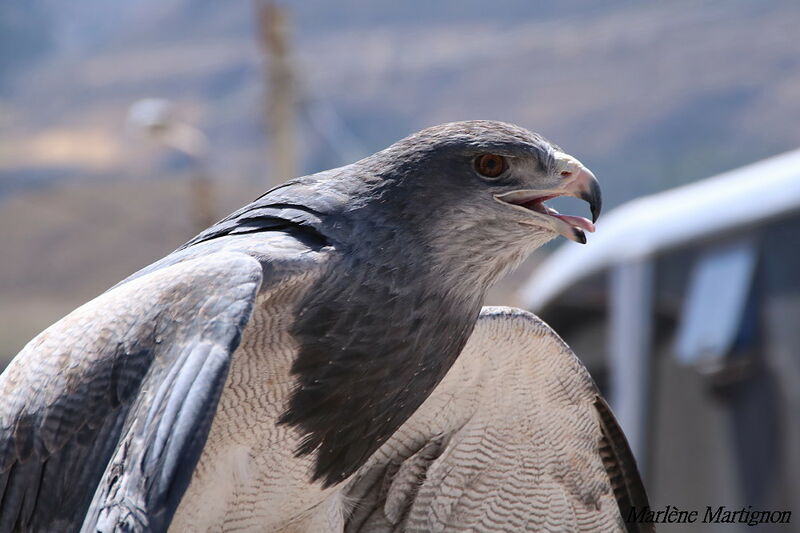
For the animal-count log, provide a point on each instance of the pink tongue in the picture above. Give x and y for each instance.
(576, 221)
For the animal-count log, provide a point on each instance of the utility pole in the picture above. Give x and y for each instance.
(280, 99)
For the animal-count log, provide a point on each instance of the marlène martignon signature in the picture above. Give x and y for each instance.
(710, 515)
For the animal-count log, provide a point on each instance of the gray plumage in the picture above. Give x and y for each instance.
(250, 379)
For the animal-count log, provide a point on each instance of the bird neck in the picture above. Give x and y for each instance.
(374, 339)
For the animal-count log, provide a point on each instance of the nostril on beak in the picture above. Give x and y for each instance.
(566, 173)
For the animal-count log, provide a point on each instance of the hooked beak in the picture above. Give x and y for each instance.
(577, 181)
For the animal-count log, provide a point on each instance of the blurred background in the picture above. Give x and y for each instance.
(125, 127)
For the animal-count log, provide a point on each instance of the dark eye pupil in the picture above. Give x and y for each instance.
(490, 165)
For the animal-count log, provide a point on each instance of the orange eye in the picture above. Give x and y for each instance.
(490, 165)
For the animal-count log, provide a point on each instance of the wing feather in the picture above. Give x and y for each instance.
(621, 466)
(137, 373)
(515, 438)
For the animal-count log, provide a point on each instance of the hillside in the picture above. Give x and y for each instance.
(649, 95)
(652, 94)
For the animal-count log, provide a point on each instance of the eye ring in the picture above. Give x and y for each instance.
(490, 165)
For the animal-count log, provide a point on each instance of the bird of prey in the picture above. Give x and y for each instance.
(295, 367)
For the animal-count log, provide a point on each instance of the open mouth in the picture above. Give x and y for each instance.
(571, 227)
